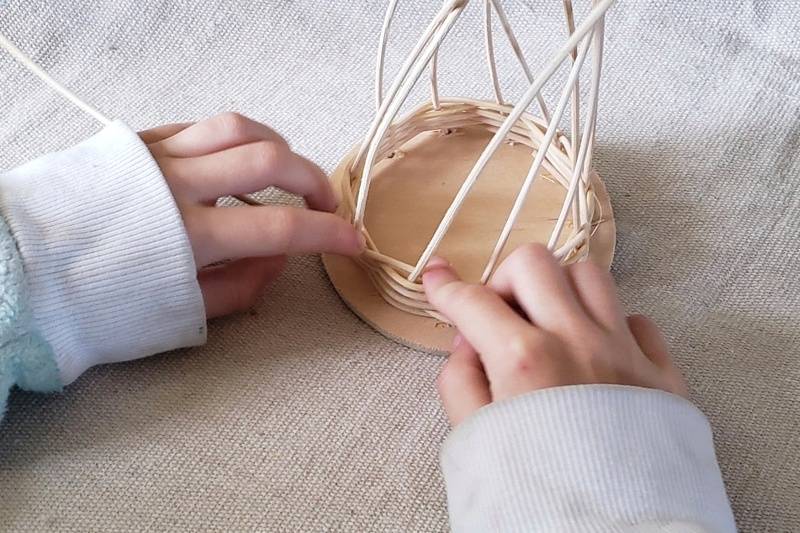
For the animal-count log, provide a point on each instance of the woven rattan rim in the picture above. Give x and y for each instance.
(389, 274)
(567, 158)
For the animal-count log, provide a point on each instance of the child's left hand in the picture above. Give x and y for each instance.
(227, 155)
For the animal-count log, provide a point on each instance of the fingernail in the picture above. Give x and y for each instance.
(438, 275)
(436, 262)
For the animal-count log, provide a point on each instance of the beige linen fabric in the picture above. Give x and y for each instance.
(298, 417)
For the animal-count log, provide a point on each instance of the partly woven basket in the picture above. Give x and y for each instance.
(565, 156)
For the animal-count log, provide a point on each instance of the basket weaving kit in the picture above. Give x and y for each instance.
(453, 128)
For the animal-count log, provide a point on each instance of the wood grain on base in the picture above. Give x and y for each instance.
(409, 195)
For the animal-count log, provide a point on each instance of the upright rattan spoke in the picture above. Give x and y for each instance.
(565, 157)
(569, 89)
(25, 61)
(401, 88)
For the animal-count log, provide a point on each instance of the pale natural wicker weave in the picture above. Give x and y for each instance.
(566, 157)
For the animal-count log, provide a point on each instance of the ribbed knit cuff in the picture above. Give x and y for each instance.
(586, 458)
(107, 259)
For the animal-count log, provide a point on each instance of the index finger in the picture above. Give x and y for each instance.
(249, 168)
(482, 317)
(239, 232)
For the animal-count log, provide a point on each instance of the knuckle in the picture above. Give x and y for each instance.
(269, 154)
(581, 267)
(588, 269)
(524, 346)
(464, 294)
(280, 140)
(536, 250)
(232, 123)
(529, 254)
(282, 225)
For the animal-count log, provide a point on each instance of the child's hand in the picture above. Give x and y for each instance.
(538, 325)
(229, 154)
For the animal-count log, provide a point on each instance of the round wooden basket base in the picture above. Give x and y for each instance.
(410, 193)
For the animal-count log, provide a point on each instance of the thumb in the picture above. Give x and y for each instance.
(463, 386)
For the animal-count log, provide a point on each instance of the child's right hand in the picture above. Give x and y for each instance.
(229, 154)
(539, 325)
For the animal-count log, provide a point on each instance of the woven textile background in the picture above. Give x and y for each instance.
(298, 417)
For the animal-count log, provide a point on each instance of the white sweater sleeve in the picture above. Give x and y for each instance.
(586, 458)
(109, 266)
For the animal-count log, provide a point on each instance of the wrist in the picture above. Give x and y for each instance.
(108, 263)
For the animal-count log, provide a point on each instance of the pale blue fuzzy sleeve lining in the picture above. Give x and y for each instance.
(26, 359)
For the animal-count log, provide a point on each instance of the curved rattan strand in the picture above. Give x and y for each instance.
(388, 274)
(565, 157)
